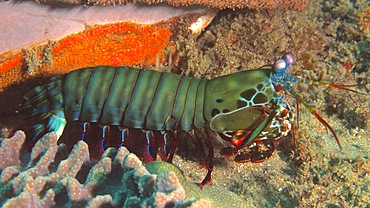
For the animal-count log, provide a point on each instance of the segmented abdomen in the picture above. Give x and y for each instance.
(126, 97)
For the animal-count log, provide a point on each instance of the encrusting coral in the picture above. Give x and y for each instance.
(49, 178)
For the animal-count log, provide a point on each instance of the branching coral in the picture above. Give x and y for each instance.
(47, 178)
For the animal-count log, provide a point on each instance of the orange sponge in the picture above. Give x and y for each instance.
(114, 44)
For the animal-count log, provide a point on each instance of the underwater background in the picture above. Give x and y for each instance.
(331, 42)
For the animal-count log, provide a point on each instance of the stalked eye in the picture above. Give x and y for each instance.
(288, 57)
(280, 65)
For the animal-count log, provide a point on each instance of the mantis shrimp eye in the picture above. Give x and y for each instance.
(280, 65)
(288, 57)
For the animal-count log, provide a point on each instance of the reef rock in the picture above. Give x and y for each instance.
(220, 4)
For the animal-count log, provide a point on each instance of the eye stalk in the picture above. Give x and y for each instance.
(280, 65)
(288, 57)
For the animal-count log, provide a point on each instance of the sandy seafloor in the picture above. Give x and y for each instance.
(329, 45)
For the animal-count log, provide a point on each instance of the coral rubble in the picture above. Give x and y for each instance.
(47, 178)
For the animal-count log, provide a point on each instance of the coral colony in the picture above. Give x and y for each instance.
(50, 177)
